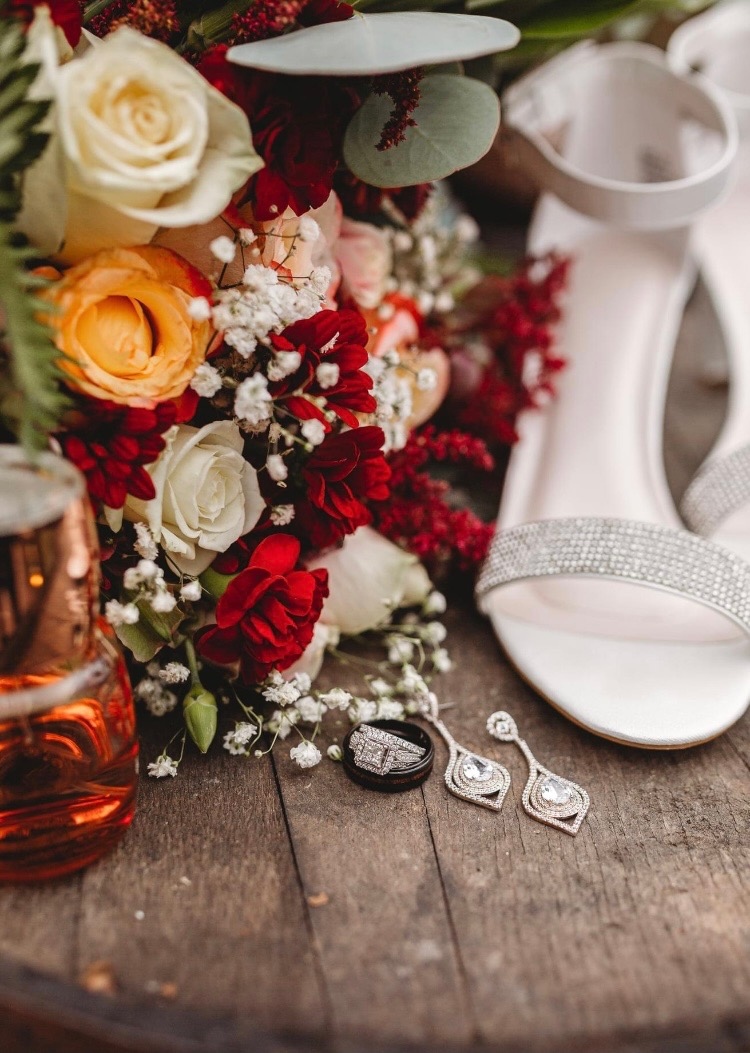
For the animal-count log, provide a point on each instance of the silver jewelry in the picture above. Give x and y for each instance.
(547, 797)
(379, 751)
(468, 776)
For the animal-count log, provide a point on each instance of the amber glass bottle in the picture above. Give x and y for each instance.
(68, 750)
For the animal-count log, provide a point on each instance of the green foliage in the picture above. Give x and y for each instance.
(456, 122)
(31, 397)
(152, 631)
(545, 23)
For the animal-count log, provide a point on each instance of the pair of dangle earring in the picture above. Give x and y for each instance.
(547, 797)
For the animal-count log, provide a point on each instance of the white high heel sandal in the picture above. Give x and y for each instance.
(637, 654)
(717, 502)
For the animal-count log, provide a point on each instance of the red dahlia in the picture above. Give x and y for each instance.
(298, 126)
(340, 475)
(111, 443)
(267, 615)
(330, 338)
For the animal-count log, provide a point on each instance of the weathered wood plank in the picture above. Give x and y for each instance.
(235, 939)
(385, 941)
(38, 925)
(638, 925)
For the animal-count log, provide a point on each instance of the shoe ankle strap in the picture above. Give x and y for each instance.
(705, 42)
(557, 94)
(646, 554)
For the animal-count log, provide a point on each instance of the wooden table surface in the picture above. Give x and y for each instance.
(292, 910)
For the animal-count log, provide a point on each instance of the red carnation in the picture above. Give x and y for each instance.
(110, 443)
(329, 338)
(64, 13)
(340, 475)
(298, 126)
(267, 615)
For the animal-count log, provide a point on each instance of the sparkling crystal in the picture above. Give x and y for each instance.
(476, 769)
(646, 553)
(555, 791)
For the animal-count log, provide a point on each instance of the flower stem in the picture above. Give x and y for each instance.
(192, 661)
(95, 8)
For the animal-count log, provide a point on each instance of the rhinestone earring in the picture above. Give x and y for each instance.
(476, 779)
(547, 797)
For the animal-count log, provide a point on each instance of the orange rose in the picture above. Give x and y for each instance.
(124, 325)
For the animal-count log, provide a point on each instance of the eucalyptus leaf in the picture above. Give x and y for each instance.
(365, 45)
(456, 123)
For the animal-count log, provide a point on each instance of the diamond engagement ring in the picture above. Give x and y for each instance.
(388, 755)
(379, 751)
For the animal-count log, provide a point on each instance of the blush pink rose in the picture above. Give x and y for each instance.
(364, 256)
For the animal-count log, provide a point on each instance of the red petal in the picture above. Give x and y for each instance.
(278, 554)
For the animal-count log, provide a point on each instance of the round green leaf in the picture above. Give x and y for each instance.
(457, 121)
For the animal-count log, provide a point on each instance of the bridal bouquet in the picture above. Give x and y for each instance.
(230, 301)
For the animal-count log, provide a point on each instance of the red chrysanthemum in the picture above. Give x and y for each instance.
(64, 13)
(110, 443)
(330, 338)
(341, 477)
(267, 615)
(298, 126)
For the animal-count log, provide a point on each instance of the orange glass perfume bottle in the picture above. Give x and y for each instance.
(68, 750)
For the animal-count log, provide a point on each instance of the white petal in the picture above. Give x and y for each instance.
(378, 43)
(368, 577)
(311, 660)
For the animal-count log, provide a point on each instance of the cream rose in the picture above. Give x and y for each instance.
(207, 495)
(147, 143)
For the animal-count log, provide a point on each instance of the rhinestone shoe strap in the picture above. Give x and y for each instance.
(641, 553)
(720, 488)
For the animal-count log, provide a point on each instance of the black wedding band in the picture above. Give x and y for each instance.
(405, 775)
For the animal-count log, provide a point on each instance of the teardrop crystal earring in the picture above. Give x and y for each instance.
(547, 797)
(476, 779)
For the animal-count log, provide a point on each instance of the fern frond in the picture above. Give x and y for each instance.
(33, 399)
(34, 369)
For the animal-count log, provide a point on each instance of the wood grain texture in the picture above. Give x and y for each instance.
(443, 927)
(385, 940)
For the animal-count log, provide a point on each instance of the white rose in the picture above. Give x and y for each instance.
(207, 495)
(368, 578)
(147, 143)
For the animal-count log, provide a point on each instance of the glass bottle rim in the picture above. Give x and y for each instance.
(35, 491)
